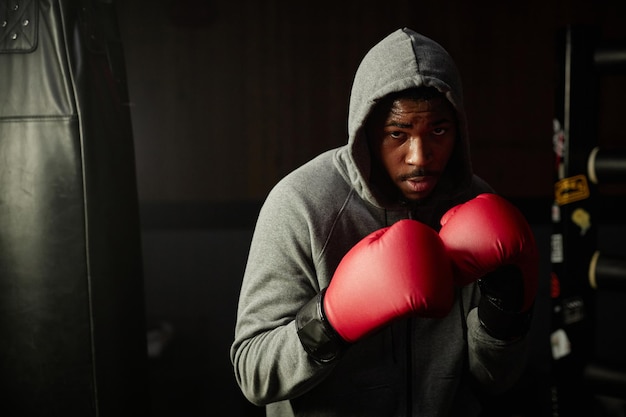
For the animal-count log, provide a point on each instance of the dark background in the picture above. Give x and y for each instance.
(229, 96)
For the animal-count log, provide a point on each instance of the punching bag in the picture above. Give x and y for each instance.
(72, 321)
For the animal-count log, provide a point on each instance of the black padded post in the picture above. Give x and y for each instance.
(72, 332)
(579, 274)
(574, 235)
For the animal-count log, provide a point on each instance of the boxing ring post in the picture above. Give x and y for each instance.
(610, 58)
(579, 270)
(607, 273)
(607, 166)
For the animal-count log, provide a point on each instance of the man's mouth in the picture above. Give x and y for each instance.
(419, 181)
(422, 183)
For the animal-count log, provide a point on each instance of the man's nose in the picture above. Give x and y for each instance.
(418, 152)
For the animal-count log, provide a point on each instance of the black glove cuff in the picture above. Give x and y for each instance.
(502, 324)
(316, 334)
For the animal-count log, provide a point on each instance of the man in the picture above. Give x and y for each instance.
(361, 293)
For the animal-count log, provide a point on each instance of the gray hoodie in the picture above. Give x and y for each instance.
(310, 219)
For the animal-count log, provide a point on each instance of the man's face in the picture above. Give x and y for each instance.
(412, 141)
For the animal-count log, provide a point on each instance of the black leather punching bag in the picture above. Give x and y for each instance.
(72, 326)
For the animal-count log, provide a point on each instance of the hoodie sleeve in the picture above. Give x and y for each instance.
(269, 361)
(495, 364)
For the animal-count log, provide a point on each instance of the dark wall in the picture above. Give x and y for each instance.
(229, 96)
(194, 277)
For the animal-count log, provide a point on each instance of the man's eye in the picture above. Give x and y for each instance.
(396, 134)
(439, 131)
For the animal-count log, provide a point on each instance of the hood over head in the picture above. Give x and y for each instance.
(403, 60)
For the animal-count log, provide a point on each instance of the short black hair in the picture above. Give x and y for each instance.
(421, 93)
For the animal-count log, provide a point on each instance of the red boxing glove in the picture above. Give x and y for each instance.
(488, 238)
(392, 273)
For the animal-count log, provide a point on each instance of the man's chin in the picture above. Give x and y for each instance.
(416, 196)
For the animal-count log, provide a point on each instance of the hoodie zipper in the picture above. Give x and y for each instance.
(408, 345)
(409, 359)
(409, 367)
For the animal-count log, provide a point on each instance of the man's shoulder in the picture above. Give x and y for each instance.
(314, 193)
(316, 177)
